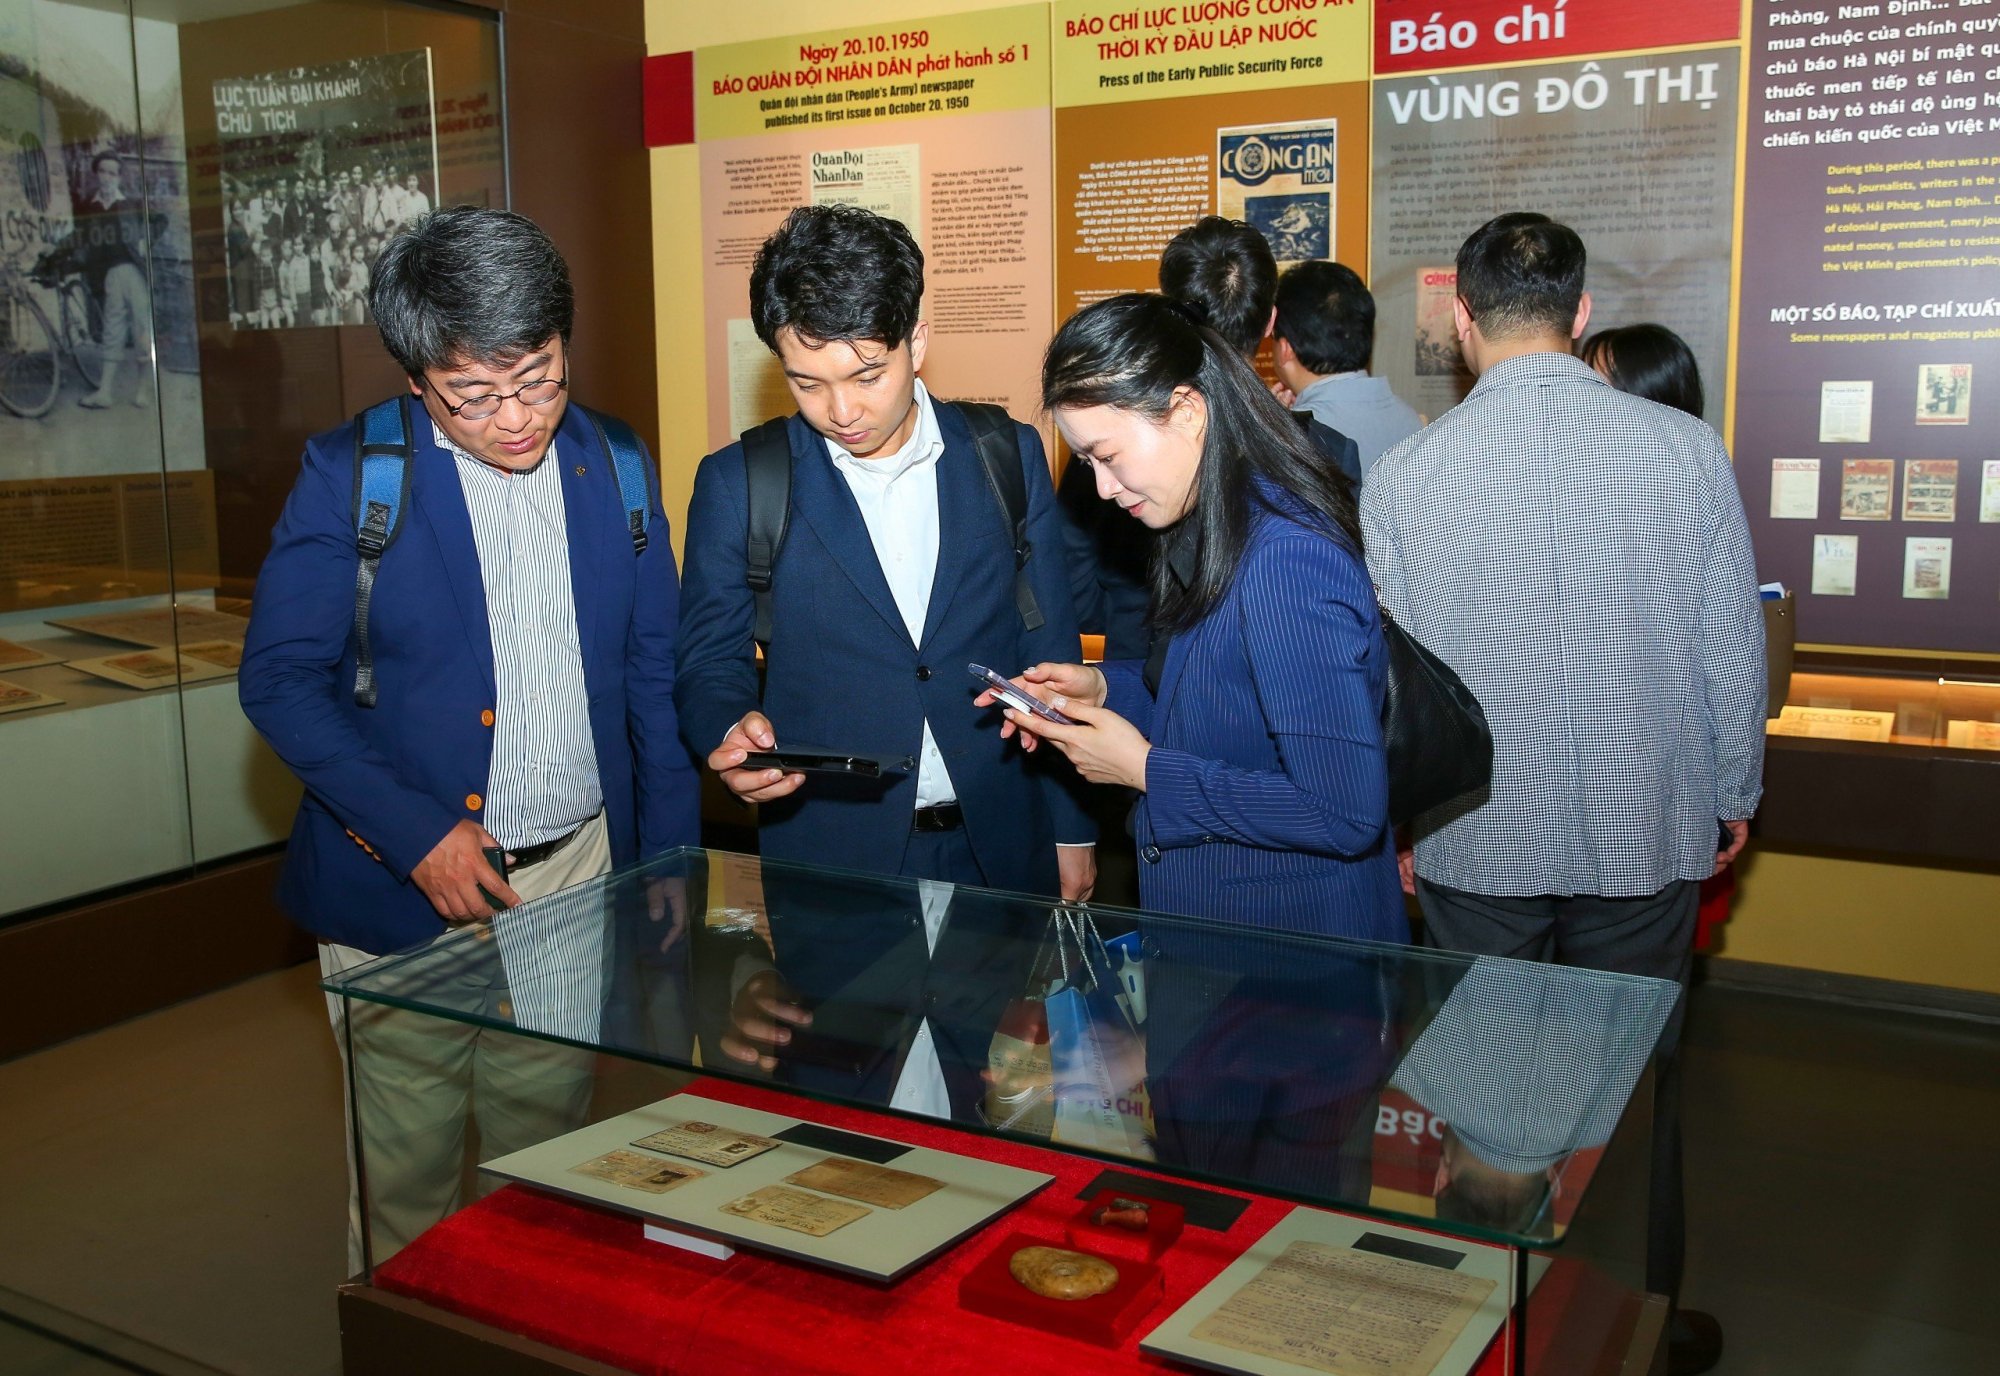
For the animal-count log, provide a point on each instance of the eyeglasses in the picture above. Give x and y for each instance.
(539, 393)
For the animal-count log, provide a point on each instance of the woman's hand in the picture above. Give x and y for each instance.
(1058, 685)
(1104, 747)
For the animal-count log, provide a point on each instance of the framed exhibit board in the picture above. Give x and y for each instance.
(1333, 1293)
(941, 124)
(865, 1205)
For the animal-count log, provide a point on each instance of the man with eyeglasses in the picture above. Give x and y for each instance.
(520, 640)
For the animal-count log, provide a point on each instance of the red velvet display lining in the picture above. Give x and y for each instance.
(585, 1279)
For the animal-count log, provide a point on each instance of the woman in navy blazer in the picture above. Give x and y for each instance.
(1256, 740)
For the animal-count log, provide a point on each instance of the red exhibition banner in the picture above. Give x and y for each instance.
(1420, 35)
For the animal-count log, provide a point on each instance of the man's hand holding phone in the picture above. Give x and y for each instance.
(753, 733)
(458, 877)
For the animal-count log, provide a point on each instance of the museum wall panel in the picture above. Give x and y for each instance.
(1845, 372)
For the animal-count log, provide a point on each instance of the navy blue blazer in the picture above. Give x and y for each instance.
(384, 784)
(1109, 552)
(1267, 790)
(842, 672)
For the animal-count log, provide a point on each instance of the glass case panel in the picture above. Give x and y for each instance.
(1927, 707)
(190, 194)
(92, 724)
(1478, 1096)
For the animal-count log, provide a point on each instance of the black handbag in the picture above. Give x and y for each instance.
(1433, 729)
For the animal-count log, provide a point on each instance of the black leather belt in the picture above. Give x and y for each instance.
(943, 817)
(525, 856)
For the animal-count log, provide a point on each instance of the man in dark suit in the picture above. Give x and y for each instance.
(522, 662)
(897, 569)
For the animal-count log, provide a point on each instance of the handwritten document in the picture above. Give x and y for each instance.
(1348, 1313)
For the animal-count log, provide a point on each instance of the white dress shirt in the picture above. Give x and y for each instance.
(542, 782)
(920, 1084)
(898, 497)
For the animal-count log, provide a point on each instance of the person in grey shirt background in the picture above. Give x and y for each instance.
(1322, 337)
(1580, 557)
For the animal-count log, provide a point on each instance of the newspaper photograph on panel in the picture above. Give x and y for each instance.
(1280, 178)
(319, 166)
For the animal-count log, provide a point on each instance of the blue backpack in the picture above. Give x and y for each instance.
(382, 489)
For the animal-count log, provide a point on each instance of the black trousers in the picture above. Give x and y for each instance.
(1652, 935)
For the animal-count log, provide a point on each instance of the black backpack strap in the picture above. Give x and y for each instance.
(767, 469)
(999, 446)
(381, 491)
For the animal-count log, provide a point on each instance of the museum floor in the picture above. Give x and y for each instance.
(179, 1179)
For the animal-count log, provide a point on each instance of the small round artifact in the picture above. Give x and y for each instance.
(1057, 1274)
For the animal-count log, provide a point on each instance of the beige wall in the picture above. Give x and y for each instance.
(1860, 917)
(1901, 922)
(677, 26)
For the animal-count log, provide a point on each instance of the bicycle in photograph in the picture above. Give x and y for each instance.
(30, 349)
(82, 333)
(77, 333)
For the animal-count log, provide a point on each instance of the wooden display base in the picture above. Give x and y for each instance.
(387, 1335)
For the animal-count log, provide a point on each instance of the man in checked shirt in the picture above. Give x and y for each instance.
(1580, 557)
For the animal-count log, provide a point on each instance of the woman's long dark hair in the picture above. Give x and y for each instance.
(1131, 352)
(1649, 361)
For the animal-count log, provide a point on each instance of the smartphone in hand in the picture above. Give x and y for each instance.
(1015, 698)
(496, 856)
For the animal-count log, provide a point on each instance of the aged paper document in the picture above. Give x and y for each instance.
(1346, 1312)
(1927, 568)
(145, 669)
(1795, 489)
(811, 1214)
(1846, 412)
(223, 654)
(1967, 735)
(1944, 393)
(1930, 490)
(1835, 558)
(869, 1184)
(1867, 489)
(1833, 723)
(708, 1143)
(15, 698)
(156, 628)
(637, 1172)
(13, 656)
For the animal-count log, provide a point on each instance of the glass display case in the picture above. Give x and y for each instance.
(1892, 702)
(1917, 739)
(188, 197)
(731, 1114)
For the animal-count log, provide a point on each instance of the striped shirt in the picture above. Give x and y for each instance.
(542, 782)
(1580, 557)
(1529, 1062)
(553, 958)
